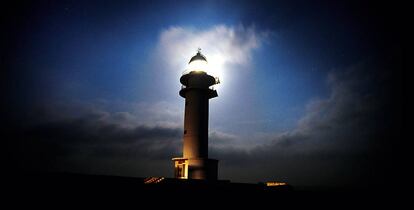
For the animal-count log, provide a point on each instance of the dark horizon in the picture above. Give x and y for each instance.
(312, 93)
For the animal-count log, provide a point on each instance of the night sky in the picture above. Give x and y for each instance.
(311, 91)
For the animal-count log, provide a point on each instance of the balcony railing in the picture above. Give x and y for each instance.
(184, 87)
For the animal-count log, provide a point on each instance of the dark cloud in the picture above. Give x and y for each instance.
(99, 138)
(345, 139)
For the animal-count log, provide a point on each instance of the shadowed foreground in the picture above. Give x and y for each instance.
(64, 182)
(71, 189)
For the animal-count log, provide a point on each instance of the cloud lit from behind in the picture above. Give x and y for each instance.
(225, 47)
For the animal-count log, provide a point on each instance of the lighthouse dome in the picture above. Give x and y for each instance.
(198, 57)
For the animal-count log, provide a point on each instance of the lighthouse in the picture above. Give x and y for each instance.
(197, 89)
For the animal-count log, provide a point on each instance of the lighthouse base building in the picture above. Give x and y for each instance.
(195, 168)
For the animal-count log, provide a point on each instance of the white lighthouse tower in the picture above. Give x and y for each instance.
(197, 89)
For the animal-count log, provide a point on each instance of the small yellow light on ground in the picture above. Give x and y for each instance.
(275, 184)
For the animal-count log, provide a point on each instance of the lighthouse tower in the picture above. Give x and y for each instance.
(197, 89)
